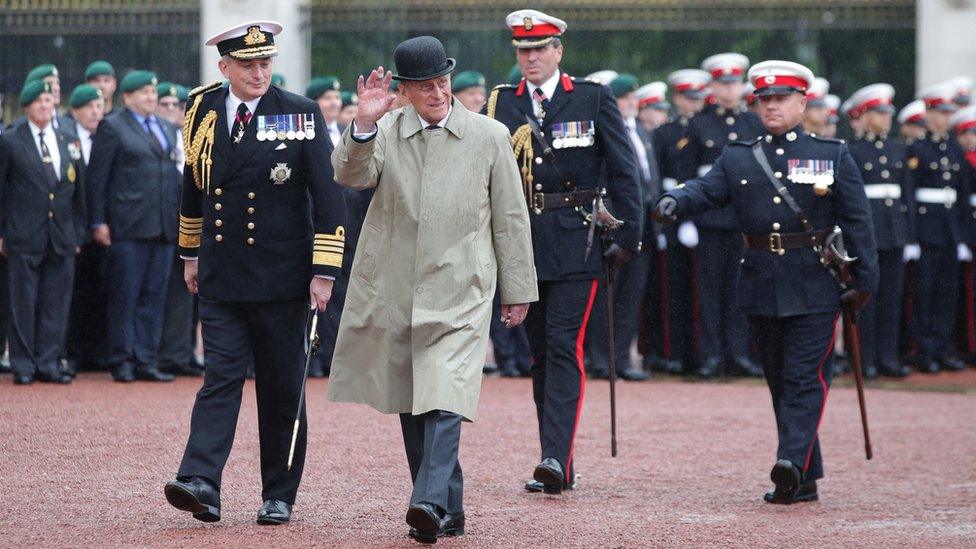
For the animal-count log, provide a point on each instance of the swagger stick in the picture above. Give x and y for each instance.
(313, 345)
(852, 338)
(612, 360)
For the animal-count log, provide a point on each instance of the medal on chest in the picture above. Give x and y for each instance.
(819, 173)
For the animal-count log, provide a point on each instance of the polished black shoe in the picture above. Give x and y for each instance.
(672, 367)
(633, 374)
(185, 370)
(124, 373)
(425, 520)
(709, 368)
(550, 474)
(249, 373)
(786, 477)
(57, 378)
(952, 364)
(893, 368)
(870, 372)
(274, 511)
(153, 374)
(451, 525)
(928, 366)
(806, 492)
(69, 366)
(535, 486)
(194, 495)
(744, 367)
(23, 380)
(600, 374)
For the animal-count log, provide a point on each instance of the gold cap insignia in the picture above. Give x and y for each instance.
(770, 79)
(254, 36)
(527, 23)
(172, 90)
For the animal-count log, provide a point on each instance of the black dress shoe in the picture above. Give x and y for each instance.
(274, 511)
(893, 368)
(451, 525)
(744, 367)
(69, 366)
(58, 378)
(599, 374)
(806, 492)
(23, 380)
(952, 364)
(550, 474)
(425, 520)
(928, 366)
(535, 486)
(194, 495)
(152, 373)
(633, 374)
(124, 373)
(709, 368)
(316, 369)
(786, 477)
(249, 373)
(185, 370)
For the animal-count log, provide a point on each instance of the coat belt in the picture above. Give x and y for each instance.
(883, 190)
(548, 201)
(945, 196)
(778, 243)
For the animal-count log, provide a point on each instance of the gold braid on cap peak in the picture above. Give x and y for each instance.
(522, 147)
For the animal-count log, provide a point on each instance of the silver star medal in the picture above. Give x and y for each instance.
(280, 173)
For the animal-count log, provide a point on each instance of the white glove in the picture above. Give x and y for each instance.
(662, 242)
(688, 234)
(963, 253)
(911, 252)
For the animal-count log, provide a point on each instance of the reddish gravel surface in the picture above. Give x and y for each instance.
(84, 465)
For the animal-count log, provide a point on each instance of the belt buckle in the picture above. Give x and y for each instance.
(776, 243)
(538, 202)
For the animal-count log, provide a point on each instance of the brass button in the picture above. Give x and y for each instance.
(250, 195)
(217, 206)
(250, 210)
(933, 166)
(885, 174)
(733, 136)
(778, 174)
(218, 238)
(218, 192)
(51, 196)
(777, 200)
(868, 166)
(709, 143)
(250, 241)
(889, 202)
(904, 208)
(730, 120)
(922, 210)
(879, 144)
(776, 226)
(219, 223)
(780, 152)
(538, 186)
(883, 159)
(250, 225)
(538, 160)
(946, 175)
(50, 215)
(743, 182)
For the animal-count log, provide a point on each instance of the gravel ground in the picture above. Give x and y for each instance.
(84, 465)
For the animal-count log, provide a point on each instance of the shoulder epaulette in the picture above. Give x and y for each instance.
(587, 81)
(749, 143)
(828, 139)
(503, 87)
(206, 88)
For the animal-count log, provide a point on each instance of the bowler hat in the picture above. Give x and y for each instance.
(421, 58)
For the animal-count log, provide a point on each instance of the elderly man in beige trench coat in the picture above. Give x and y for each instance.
(448, 220)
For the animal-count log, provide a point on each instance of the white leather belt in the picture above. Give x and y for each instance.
(936, 196)
(702, 170)
(669, 184)
(972, 200)
(883, 190)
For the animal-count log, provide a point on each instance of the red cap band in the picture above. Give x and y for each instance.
(931, 102)
(763, 82)
(693, 86)
(650, 100)
(858, 110)
(535, 31)
(965, 126)
(727, 71)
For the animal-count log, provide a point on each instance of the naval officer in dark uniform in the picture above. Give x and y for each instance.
(792, 302)
(881, 160)
(261, 232)
(580, 121)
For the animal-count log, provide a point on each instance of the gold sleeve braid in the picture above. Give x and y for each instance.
(329, 248)
(191, 228)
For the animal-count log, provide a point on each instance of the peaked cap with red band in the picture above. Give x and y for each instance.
(533, 29)
(964, 120)
(653, 95)
(690, 82)
(776, 77)
(876, 97)
(938, 96)
(912, 113)
(726, 67)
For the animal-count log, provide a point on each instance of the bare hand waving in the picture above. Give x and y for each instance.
(374, 99)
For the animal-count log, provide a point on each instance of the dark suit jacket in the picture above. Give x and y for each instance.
(131, 186)
(34, 215)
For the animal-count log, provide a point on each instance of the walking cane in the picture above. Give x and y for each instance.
(613, 361)
(853, 340)
(313, 345)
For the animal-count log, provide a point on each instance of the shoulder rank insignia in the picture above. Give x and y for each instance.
(199, 90)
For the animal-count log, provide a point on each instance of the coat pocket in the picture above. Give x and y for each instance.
(369, 243)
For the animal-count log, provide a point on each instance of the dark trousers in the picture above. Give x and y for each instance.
(880, 319)
(796, 354)
(432, 441)
(328, 327)
(724, 332)
(556, 326)
(40, 299)
(176, 345)
(936, 288)
(87, 327)
(510, 345)
(655, 321)
(681, 267)
(628, 289)
(138, 272)
(234, 334)
(4, 303)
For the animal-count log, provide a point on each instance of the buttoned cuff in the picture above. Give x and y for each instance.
(361, 137)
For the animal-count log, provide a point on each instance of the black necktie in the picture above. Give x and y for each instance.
(543, 104)
(240, 121)
(48, 161)
(153, 140)
(432, 127)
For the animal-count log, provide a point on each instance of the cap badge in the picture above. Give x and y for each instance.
(172, 90)
(769, 79)
(254, 36)
(727, 70)
(527, 23)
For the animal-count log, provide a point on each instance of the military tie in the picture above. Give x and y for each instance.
(48, 161)
(540, 96)
(240, 121)
(153, 140)
(432, 127)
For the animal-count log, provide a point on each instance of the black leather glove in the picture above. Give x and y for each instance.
(854, 299)
(666, 210)
(616, 255)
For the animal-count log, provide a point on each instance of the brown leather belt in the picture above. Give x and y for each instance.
(778, 243)
(547, 201)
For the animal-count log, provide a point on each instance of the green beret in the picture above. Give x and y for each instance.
(137, 79)
(349, 98)
(467, 79)
(99, 68)
(169, 89)
(321, 84)
(41, 72)
(514, 75)
(623, 84)
(278, 79)
(83, 94)
(32, 90)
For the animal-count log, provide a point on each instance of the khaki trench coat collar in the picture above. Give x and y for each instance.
(456, 122)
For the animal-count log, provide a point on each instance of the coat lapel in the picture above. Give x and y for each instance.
(560, 98)
(31, 153)
(244, 150)
(134, 124)
(221, 134)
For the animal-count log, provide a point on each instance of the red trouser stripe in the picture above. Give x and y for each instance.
(580, 336)
(823, 383)
(665, 302)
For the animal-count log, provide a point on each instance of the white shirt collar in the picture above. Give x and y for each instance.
(48, 131)
(233, 102)
(424, 123)
(82, 131)
(548, 87)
